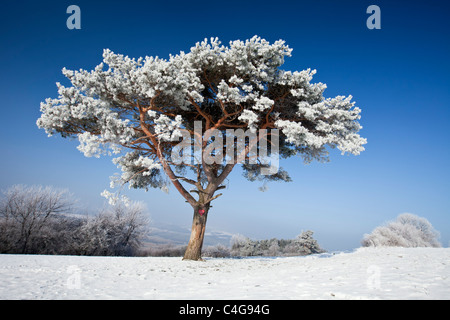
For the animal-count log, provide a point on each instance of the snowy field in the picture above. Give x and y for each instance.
(366, 273)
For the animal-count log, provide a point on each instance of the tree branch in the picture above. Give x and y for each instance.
(213, 198)
(225, 172)
(204, 115)
(190, 181)
(167, 169)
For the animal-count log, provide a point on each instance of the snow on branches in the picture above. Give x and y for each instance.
(138, 108)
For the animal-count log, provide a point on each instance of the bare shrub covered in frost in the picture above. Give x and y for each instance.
(217, 251)
(118, 231)
(408, 230)
(39, 220)
(25, 214)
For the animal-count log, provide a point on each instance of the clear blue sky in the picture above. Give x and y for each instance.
(399, 77)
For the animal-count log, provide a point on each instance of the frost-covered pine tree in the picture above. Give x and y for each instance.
(139, 109)
(305, 244)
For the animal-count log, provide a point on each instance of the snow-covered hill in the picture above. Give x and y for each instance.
(164, 233)
(366, 273)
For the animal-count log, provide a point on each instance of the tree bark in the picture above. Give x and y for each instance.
(194, 247)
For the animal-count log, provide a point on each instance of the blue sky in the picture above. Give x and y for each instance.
(398, 76)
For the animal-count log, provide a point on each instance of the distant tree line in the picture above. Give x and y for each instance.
(39, 220)
(303, 244)
(241, 246)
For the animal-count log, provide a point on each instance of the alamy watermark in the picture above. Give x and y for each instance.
(374, 277)
(74, 278)
(260, 147)
(74, 20)
(374, 20)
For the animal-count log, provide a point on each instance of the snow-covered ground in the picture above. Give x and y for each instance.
(366, 273)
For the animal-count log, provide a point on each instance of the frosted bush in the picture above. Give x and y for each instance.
(408, 230)
(217, 251)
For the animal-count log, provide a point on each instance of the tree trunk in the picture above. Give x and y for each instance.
(194, 247)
